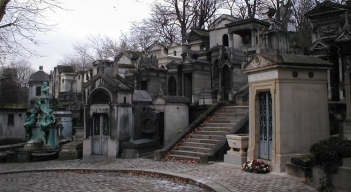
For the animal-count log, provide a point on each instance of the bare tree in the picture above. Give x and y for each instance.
(141, 36)
(14, 82)
(189, 13)
(163, 25)
(80, 58)
(94, 47)
(20, 21)
(24, 71)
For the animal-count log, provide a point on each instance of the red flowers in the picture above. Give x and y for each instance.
(255, 166)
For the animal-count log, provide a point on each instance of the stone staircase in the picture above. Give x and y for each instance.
(204, 138)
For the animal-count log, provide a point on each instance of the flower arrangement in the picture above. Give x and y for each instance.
(255, 166)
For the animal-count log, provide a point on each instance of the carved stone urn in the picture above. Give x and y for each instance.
(238, 143)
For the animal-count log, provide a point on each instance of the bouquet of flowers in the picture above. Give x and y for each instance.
(255, 166)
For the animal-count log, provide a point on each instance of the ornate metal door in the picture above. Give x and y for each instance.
(265, 125)
(101, 133)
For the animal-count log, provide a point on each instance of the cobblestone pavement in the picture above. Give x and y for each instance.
(227, 176)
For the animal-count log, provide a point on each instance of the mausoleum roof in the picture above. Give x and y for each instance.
(272, 60)
(173, 99)
(39, 76)
(64, 69)
(141, 95)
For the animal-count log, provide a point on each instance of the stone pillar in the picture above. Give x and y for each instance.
(253, 39)
(346, 133)
(231, 42)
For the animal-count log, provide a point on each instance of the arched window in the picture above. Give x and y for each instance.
(225, 40)
(172, 86)
(100, 97)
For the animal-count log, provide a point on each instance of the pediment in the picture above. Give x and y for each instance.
(258, 61)
(102, 80)
(326, 7)
(318, 45)
(222, 21)
(343, 36)
(193, 36)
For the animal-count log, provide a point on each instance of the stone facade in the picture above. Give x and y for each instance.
(330, 23)
(108, 118)
(11, 123)
(285, 92)
(204, 70)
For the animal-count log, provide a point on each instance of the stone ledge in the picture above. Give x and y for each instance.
(235, 160)
(298, 170)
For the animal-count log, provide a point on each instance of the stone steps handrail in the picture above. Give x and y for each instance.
(244, 121)
(159, 154)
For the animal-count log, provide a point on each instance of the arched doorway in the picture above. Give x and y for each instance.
(225, 40)
(172, 86)
(100, 122)
(226, 81)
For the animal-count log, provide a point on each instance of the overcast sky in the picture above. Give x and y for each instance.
(83, 18)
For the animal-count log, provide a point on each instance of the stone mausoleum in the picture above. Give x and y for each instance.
(285, 91)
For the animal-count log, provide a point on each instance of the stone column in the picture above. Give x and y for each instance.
(346, 133)
(231, 43)
(340, 77)
(253, 39)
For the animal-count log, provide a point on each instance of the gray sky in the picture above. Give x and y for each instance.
(81, 19)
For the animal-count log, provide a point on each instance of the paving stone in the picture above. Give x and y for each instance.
(230, 177)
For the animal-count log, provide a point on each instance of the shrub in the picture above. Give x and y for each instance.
(328, 155)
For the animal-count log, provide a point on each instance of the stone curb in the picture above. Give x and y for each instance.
(203, 183)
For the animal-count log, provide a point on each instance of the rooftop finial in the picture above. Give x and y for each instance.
(40, 68)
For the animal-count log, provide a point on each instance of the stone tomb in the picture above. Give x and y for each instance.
(288, 106)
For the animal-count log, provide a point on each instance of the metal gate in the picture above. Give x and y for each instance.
(265, 125)
(101, 133)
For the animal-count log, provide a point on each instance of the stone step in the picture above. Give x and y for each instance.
(200, 136)
(235, 108)
(215, 129)
(211, 132)
(198, 144)
(187, 153)
(232, 110)
(210, 124)
(183, 157)
(194, 149)
(207, 141)
(228, 120)
(229, 114)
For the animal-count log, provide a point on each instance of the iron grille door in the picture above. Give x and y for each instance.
(265, 125)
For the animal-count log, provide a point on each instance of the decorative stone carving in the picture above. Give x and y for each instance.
(328, 31)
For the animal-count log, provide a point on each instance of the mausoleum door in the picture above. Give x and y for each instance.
(226, 82)
(265, 125)
(101, 133)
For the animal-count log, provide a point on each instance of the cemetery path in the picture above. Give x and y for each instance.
(218, 176)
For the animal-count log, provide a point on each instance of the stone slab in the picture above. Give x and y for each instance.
(346, 162)
(298, 171)
(71, 155)
(140, 143)
(234, 160)
(73, 145)
(342, 180)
